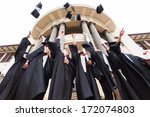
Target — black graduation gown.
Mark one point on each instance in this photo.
(141, 63)
(21, 48)
(69, 75)
(132, 73)
(92, 82)
(104, 75)
(32, 85)
(15, 72)
(85, 83)
(125, 90)
(62, 77)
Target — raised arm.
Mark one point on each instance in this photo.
(29, 35)
(22, 47)
(120, 35)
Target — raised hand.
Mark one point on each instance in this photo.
(120, 35)
(121, 32)
(29, 35)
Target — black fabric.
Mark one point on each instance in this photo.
(69, 75)
(105, 78)
(115, 47)
(88, 46)
(62, 77)
(11, 78)
(35, 13)
(106, 81)
(15, 72)
(48, 70)
(125, 90)
(85, 83)
(92, 82)
(22, 48)
(61, 80)
(96, 72)
(133, 74)
(33, 85)
(135, 78)
(141, 63)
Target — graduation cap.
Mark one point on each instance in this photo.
(39, 5)
(99, 9)
(78, 17)
(66, 5)
(114, 46)
(69, 15)
(89, 47)
(35, 13)
(112, 43)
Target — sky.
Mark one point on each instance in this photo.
(16, 19)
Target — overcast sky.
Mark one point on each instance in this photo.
(16, 20)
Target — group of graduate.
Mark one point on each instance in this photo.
(121, 76)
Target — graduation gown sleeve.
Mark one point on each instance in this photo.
(32, 85)
(21, 48)
(132, 73)
(83, 88)
(11, 78)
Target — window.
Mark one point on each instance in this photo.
(143, 45)
(1, 55)
(7, 57)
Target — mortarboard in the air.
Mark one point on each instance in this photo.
(66, 5)
(39, 5)
(69, 15)
(88, 46)
(99, 9)
(78, 17)
(35, 13)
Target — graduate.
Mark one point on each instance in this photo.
(125, 90)
(17, 69)
(22, 47)
(101, 70)
(143, 64)
(35, 79)
(85, 82)
(139, 87)
(63, 74)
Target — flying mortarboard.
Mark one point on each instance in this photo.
(35, 13)
(89, 47)
(39, 5)
(78, 17)
(66, 5)
(69, 15)
(99, 9)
